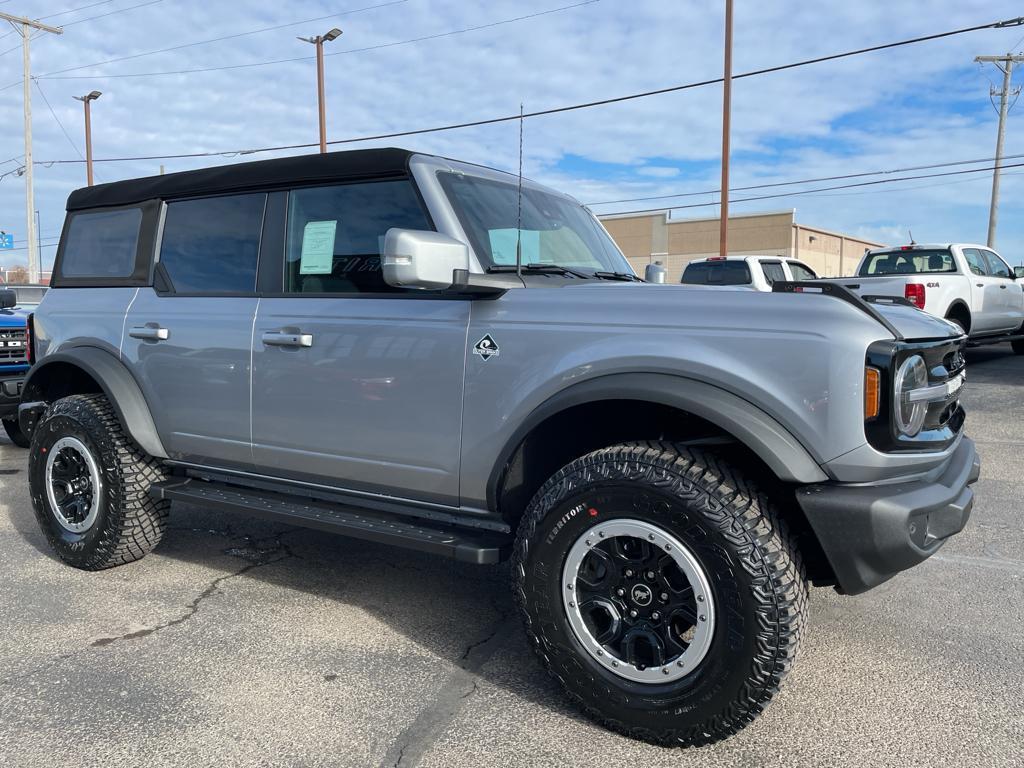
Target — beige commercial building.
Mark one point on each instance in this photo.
(650, 237)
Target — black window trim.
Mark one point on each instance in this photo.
(145, 249)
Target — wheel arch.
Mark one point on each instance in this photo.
(960, 310)
(84, 370)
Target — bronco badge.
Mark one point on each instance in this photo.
(486, 348)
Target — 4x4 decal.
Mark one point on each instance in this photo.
(486, 348)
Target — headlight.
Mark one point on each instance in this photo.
(910, 413)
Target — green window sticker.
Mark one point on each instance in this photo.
(503, 246)
(318, 248)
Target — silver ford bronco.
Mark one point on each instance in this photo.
(439, 356)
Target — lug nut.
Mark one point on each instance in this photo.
(700, 598)
(668, 547)
(620, 591)
(632, 614)
(664, 597)
(572, 604)
(568, 586)
(650, 575)
(629, 573)
(679, 663)
(655, 615)
(664, 671)
(615, 663)
(703, 617)
(650, 536)
(590, 543)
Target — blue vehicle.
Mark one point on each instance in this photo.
(14, 363)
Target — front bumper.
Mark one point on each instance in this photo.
(871, 533)
(10, 396)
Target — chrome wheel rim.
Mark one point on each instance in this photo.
(73, 485)
(639, 601)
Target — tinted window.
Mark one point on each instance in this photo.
(717, 273)
(336, 235)
(102, 244)
(212, 245)
(996, 266)
(801, 272)
(975, 261)
(908, 262)
(772, 271)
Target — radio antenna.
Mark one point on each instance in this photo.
(519, 202)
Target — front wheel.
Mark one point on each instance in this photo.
(662, 591)
(13, 430)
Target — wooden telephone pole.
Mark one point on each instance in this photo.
(723, 238)
(1005, 63)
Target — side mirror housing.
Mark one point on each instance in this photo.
(8, 298)
(423, 260)
(1018, 272)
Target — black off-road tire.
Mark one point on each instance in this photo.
(756, 578)
(13, 430)
(129, 523)
(1018, 346)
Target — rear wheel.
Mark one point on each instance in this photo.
(1018, 346)
(90, 486)
(660, 589)
(13, 430)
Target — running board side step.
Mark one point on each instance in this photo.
(469, 546)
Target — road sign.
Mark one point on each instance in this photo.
(6, 241)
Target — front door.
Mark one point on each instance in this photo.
(357, 385)
(986, 302)
(1009, 292)
(188, 339)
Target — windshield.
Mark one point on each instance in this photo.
(908, 262)
(717, 273)
(554, 230)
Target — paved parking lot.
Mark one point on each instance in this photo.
(241, 643)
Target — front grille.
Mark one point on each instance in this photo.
(13, 346)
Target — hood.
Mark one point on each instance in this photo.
(12, 318)
(917, 325)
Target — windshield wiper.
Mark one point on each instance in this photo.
(553, 269)
(625, 276)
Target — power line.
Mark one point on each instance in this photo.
(572, 107)
(812, 191)
(74, 10)
(56, 75)
(861, 174)
(49, 75)
(111, 13)
(57, 119)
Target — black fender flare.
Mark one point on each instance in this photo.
(117, 383)
(784, 454)
(960, 304)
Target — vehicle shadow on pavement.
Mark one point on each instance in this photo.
(457, 613)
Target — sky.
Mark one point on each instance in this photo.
(912, 106)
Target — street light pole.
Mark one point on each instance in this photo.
(319, 41)
(723, 236)
(24, 28)
(89, 97)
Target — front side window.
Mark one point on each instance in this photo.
(717, 273)
(101, 244)
(996, 266)
(801, 272)
(336, 235)
(545, 228)
(212, 245)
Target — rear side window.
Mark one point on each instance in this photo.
(773, 271)
(336, 234)
(101, 245)
(717, 273)
(212, 245)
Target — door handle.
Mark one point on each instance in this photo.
(980, 285)
(280, 339)
(1002, 287)
(150, 333)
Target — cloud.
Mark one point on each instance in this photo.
(913, 106)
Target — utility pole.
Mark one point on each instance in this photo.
(723, 240)
(319, 41)
(24, 28)
(1005, 64)
(88, 132)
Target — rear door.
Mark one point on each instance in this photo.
(986, 301)
(357, 385)
(773, 271)
(188, 338)
(1009, 292)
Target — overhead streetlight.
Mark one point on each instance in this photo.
(89, 97)
(319, 41)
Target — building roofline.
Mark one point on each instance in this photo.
(666, 215)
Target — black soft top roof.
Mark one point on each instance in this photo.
(261, 174)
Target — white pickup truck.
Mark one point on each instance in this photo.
(969, 285)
